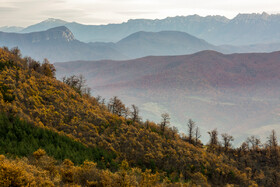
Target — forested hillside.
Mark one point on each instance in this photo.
(128, 152)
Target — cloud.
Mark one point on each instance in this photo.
(65, 13)
(26, 12)
(7, 9)
(137, 13)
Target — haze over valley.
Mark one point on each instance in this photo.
(236, 93)
(139, 93)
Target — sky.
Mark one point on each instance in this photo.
(95, 12)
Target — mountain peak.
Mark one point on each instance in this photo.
(254, 16)
(59, 28)
(44, 25)
(53, 20)
(61, 32)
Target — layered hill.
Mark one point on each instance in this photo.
(228, 92)
(244, 29)
(57, 44)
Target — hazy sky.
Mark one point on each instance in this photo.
(27, 12)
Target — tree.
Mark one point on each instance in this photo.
(32, 64)
(174, 131)
(191, 126)
(135, 114)
(197, 135)
(115, 106)
(165, 121)
(48, 69)
(147, 123)
(244, 147)
(126, 112)
(273, 146)
(78, 83)
(16, 51)
(254, 141)
(227, 139)
(213, 137)
(272, 140)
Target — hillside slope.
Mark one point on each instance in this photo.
(29, 91)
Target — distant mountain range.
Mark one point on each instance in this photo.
(244, 29)
(11, 29)
(59, 44)
(234, 93)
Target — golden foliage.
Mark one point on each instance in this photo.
(46, 102)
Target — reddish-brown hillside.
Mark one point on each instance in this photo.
(210, 67)
(232, 92)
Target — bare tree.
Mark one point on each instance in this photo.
(244, 146)
(126, 112)
(135, 113)
(227, 139)
(272, 140)
(174, 131)
(191, 126)
(213, 137)
(115, 106)
(98, 98)
(197, 135)
(254, 141)
(165, 121)
(78, 83)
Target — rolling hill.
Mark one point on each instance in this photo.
(237, 92)
(142, 44)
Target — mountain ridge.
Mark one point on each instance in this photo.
(60, 44)
(139, 44)
(218, 30)
(56, 44)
